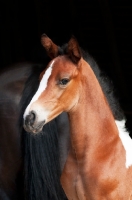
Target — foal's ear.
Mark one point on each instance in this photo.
(50, 47)
(73, 50)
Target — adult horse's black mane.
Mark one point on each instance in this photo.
(105, 83)
(41, 176)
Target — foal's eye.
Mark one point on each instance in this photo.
(63, 81)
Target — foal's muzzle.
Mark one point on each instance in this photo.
(31, 124)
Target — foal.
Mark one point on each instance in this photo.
(99, 163)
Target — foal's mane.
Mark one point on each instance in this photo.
(105, 83)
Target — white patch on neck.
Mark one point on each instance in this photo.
(126, 141)
(41, 88)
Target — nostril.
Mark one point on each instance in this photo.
(32, 115)
(30, 119)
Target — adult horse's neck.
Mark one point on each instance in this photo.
(91, 121)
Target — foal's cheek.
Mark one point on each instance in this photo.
(71, 104)
(71, 98)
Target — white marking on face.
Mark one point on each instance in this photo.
(126, 141)
(41, 88)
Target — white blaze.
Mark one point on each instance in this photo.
(126, 141)
(41, 88)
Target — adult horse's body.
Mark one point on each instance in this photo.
(29, 166)
(99, 163)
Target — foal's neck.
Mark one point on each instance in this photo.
(91, 120)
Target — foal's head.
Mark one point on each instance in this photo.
(59, 85)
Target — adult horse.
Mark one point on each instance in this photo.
(29, 165)
(99, 163)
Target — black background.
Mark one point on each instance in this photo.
(102, 27)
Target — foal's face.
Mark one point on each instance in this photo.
(58, 91)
